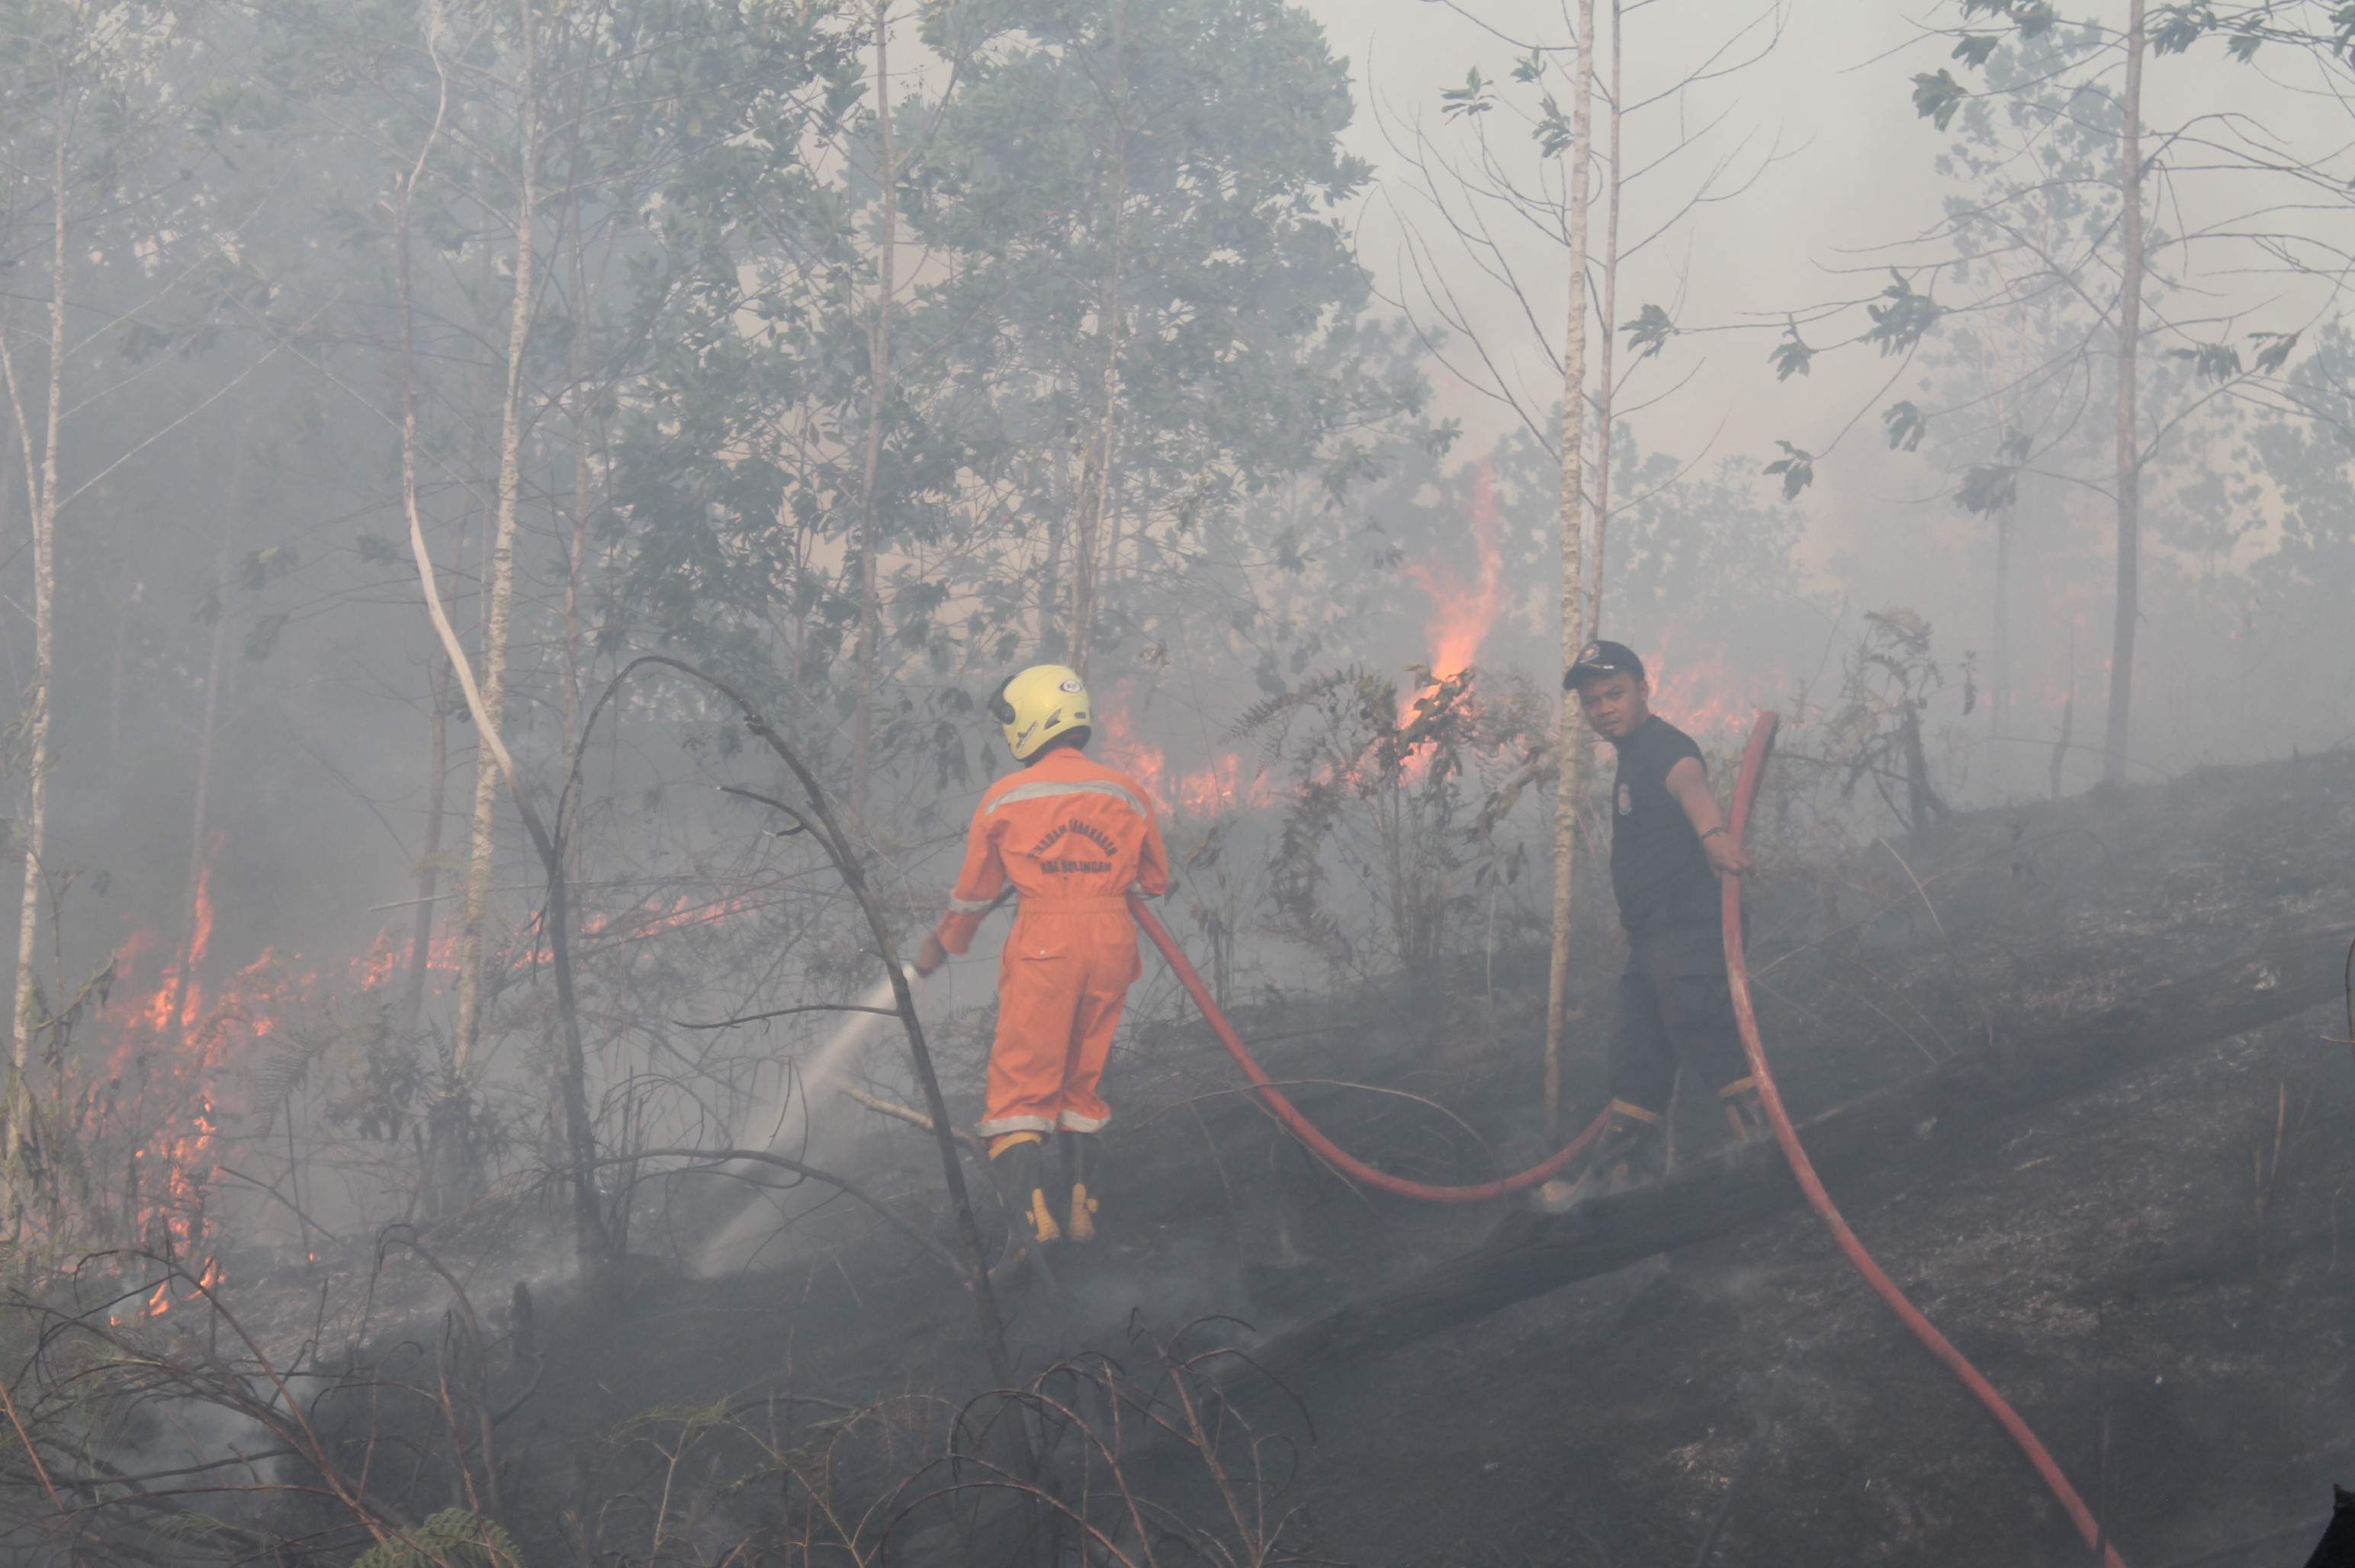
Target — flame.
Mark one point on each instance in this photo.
(1707, 695)
(160, 1302)
(1202, 793)
(157, 1089)
(1463, 613)
(643, 922)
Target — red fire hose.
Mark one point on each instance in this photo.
(1737, 969)
(1333, 1153)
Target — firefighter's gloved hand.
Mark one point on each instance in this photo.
(931, 955)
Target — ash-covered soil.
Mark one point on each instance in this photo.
(2154, 1273)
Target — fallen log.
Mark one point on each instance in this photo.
(1929, 1120)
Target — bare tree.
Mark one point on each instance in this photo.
(1488, 209)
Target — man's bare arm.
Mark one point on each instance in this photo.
(1688, 781)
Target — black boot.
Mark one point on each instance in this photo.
(1015, 1160)
(1079, 1151)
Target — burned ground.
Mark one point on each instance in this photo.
(2150, 1266)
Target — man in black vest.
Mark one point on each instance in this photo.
(1668, 847)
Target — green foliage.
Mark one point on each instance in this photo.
(1797, 467)
(2173, 29)
(1988, 487)
(2215, 363)
(454, 1538)
(1649, 331)
(1555, 132)
(1991, 486)
(1378, 799)
(1899, 324)
(261, 637)
(1937, 95)
(1792, 356)
(1904, 424)
(1872, 734)
(2032, 20)
(1473, 98)
(2276, 352)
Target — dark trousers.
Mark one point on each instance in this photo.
(1665, 1021)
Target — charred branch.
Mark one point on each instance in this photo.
(1903, 1132)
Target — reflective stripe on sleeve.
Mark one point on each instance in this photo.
(1045, 789)
(970, 906)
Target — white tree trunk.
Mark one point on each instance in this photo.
(1571, 742)
(45, 598)
(499, 613)
(2129, 453)
(878, 373)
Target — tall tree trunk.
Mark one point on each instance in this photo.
(499, 613)
(1606, 389)
(1571, 745)
(429, 863)
(575, 557)
(878, 379)
(1095, 478)
(2129, 452)
(1999, 658)
(1058, 521)
(45, 599)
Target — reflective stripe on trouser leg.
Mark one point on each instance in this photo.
(1062, 984)
(1037, 1006)
(1095, 1021)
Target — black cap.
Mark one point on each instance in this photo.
(1602, 658)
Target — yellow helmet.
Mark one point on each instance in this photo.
(1041, 704)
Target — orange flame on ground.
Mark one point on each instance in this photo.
(1196, 794)
(160, 1302)
(1707, 695)
(169, 1047)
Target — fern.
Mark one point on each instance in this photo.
(451, 1538)
(1261, 714)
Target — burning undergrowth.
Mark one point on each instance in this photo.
(307, 1394)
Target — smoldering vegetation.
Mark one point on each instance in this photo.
(513, 511)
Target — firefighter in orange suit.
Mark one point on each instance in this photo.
(1073, 837)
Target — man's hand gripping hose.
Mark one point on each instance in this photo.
(1754, 762)
(1330, 1152)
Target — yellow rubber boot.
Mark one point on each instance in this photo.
(1015, 1160)
(1745, 1113)
(1634, 1148)
(1080, 1150)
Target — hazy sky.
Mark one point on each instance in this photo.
(1854, 172)
(1839, 117)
